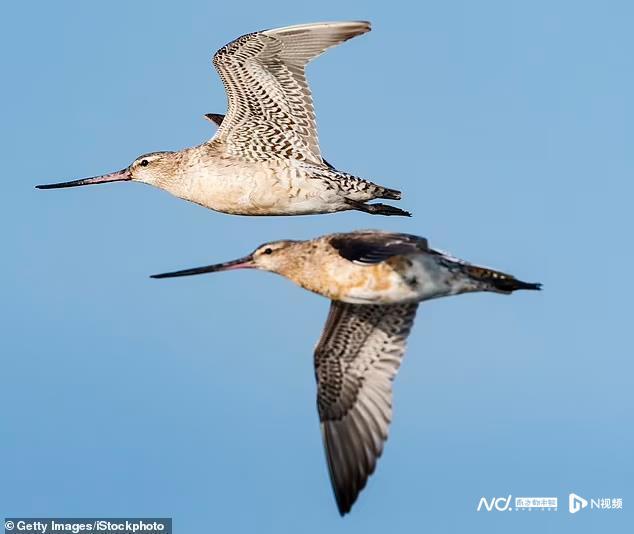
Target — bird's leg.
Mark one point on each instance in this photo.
(377, 209)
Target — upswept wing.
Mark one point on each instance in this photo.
(271, 113)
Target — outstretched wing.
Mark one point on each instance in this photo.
(369, 247)
(271, 113)
(355, 361)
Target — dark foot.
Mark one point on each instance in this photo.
(378, 209)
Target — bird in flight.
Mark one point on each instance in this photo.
(265, 157)
(375, 281)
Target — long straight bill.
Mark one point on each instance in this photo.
(118, 176)
(242, 263)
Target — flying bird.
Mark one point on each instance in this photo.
(265, 157)
(375, 281)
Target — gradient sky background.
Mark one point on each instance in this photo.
(508, 125)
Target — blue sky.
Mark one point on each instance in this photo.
(509, 127)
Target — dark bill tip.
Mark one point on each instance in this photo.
(186, 272)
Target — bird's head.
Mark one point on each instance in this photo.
(149, 168)
(272, 257)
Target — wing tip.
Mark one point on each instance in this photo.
(344, 493)
(353, 27)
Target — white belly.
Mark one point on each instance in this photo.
(258, 189)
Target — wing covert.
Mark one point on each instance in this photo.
(370, 247)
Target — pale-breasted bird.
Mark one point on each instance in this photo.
(375, 281)
(265, 157)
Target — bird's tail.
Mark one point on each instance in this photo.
(497, 281)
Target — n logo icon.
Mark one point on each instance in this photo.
(576, 503)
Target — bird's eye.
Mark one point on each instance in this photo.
(144, 163)
(268, 251)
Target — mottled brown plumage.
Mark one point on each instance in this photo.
(375, 281)
(265, 157)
